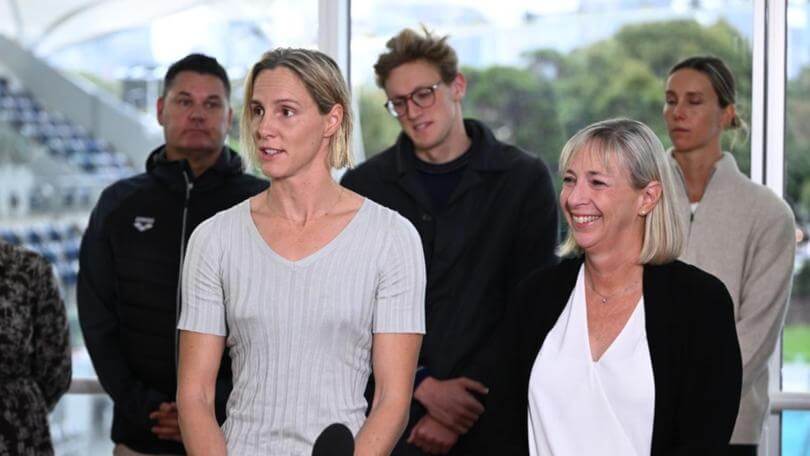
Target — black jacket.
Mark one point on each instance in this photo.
(498, 225)
(694, 351)
(128, 291)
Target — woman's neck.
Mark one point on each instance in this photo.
(304, 198)
(611, 272)
(697, 167)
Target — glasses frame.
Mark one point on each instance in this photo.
(389, 104)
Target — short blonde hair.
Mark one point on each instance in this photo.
(324, 83)
(641, 154)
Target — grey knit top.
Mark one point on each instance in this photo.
(300, 332)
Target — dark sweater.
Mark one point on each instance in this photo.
(498, 224)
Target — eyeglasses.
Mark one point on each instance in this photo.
(424, 97)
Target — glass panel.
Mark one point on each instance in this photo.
(539, 71)
(796, 433)
(796, 341)
(131, 60)
(52, 168)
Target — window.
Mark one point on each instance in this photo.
(796, 337)
(82, 116)
(539, 71)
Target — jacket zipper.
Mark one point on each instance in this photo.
(178, 298)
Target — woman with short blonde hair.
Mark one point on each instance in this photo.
(311, 286)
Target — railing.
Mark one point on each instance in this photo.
(789, 401)
(779, 401)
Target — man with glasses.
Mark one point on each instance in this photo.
(487, 215)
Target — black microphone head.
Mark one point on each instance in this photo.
(335, 440)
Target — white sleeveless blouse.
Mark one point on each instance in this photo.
(581, 407)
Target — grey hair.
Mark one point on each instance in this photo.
(642, 155)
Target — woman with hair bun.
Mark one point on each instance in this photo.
(734, 229)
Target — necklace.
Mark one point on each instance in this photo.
(328, 211)
(606, 298)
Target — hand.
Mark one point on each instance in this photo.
(451, 402)
(432, 436)
(167, 426)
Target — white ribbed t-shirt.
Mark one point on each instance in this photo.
(300, 332)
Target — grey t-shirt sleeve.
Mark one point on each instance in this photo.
(203, 308)
(400, 296)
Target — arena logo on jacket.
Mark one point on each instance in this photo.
(144, 223)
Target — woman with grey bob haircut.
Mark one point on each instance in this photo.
(641, 153)
(644, 342)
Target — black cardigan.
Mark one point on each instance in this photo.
(695, 356)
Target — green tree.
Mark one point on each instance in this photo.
(519, 106)
(379, 128)
(543, 103)
(797, 145)
(624, 75)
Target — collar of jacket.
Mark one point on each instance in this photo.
(725, 170)
(171, 173)
(483, 150)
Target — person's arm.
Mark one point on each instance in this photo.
(432, 437)
(96, 299)
(394, 359)
(200, 355)
(709, 397)
(537, 237)
(765, 291)
(52, 364)
(534, 247)
(398, 326)
(452, 402)
(202, 342)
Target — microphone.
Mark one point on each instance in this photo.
(335, 440)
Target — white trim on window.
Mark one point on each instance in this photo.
(333, 32)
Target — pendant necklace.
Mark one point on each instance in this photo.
(606, 298)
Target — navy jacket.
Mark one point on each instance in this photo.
(696, 363)
(499, 224)
(128, 290)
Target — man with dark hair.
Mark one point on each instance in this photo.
(487, 215)
(132, 252)
(198, 63)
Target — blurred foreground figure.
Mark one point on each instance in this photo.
(35, 365)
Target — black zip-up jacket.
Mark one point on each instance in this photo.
(128, 291)
(499, 224)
